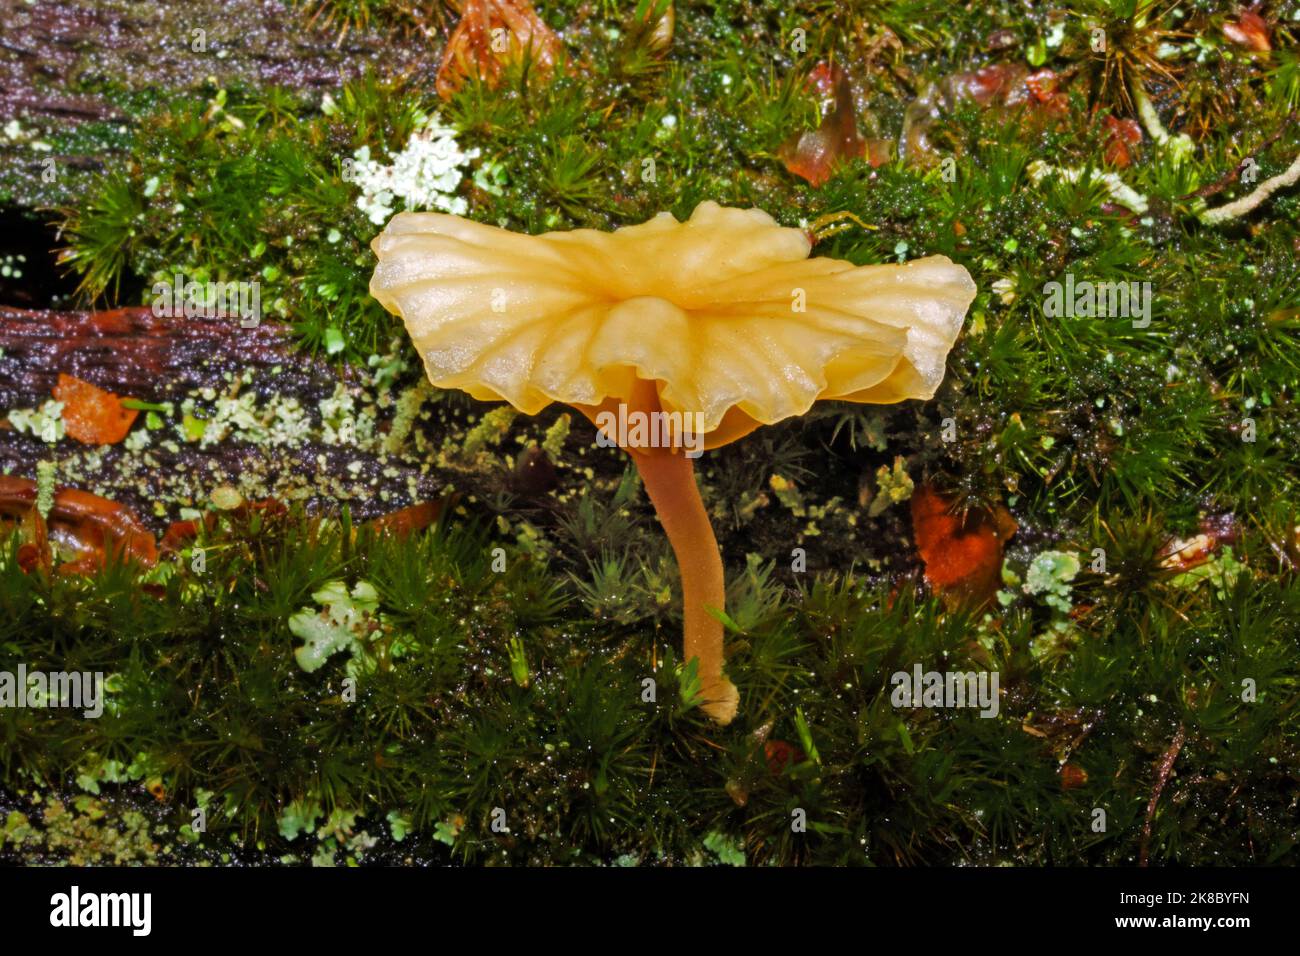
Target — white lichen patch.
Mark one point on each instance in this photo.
(45, 423)
(423, 176)
(1120, 192)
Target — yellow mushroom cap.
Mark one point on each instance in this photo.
(725, 314)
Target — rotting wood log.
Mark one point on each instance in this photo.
(132, 352)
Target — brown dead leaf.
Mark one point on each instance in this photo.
(408, 520)
(1073, 776)
(780, 754)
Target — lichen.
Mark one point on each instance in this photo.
(423, 176)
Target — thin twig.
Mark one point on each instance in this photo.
(1250, 202)
(1214, 188)
(1163, 770)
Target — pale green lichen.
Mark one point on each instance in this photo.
(1049, 577)
(1221, 571)
(279, 422)
(45, 423)
(556, 436)
(728, 850)
(893, 486)
(492, 427)
(338, 417)
(424, 175)
(226, 498)
(88, 832)
(788, 494)
(299, 816)
(407, 408)
(337, 833)
(46, 472)
(344, 621)
(138, 440)
(1120, 192)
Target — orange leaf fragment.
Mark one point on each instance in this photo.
(82, 527)
(1043, 85)
(91, 415)
(1122, 133)
(99, 526)
(962, 553)
(780, 754)
(408, 520)
(1073, 776)
(1249, 30)
(178, 534)
(813, 154)
(490, 34)
(1180, 555)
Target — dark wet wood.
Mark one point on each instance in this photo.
(132, 352)
(53, 49)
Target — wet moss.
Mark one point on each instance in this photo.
(1095, 433)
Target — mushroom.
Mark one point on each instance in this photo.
(703, 330)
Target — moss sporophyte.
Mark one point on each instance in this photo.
(671, 337)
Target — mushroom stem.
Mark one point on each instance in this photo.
(669, 479)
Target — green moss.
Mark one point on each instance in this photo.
(557, 728)
(233, 188)
(524, 690)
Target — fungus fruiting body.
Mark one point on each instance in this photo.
(697, 332)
